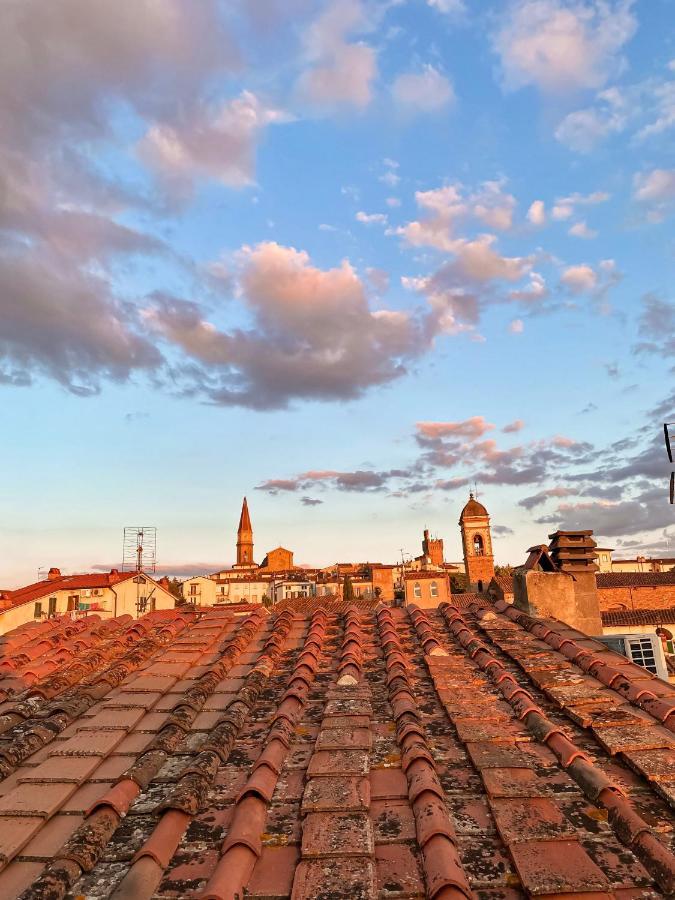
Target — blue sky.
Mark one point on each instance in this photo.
(345, 257)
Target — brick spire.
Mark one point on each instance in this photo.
(245, 538)
(244, 519)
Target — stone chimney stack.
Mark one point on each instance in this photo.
(560, 582)
(574, 553)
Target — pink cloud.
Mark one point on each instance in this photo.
(472, 428)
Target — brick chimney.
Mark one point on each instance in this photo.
(560, 582)
(53, 574)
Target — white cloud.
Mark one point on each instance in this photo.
(647, 106)
(442, 207)
(218, 144)
(517, 326)
(390, 176)
(584, 279)
(663, 97)
(655, 190)
(340, 73)
(584, 129)
(445, 207)
(562, 211)
(580, 279)
(581, 230)
(449, 7)
(478, 261)
(313, 334)
(561, 46)
(565, 207)
(426, 91)
(492, 206)
(393, 201)
(534, 292)
(370, 218)
(536, 214)
(654, 186)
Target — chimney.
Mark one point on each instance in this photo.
(53, 573)
(560, 581)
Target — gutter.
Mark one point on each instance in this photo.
(115, 603)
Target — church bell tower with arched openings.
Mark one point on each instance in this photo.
(477, 545)
(245, 539)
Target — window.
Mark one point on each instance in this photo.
(38, 610)
(193, 589)
(478, 547)
(642, 652)
(433, 589)
(642, 649)
(222, 589)
(72, 605)
(52, 606)
(417, 590)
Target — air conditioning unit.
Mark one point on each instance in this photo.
(645, 650)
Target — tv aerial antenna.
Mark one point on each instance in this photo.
(139, 555)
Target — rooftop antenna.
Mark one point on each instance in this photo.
(139, 549)
(669, 450)
(139, 555)
(475, 489)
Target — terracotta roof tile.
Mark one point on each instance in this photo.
(634, 579)
(359, 752)
(627, 617)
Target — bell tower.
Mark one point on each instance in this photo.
(245, 538)
(474, 523)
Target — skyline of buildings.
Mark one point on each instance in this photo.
(233, 261)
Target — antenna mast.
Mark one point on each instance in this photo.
(139, 555)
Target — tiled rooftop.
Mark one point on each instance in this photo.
(619, 617)
(47, 586)
(351, 753)
(505, 582)
(635, 579)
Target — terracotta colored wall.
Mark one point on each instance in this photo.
(433, 548)
(384, 579)
(659, 597)
(426, 601)
(480, 568)
(279, 560)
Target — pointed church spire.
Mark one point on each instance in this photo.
(244, 519)
(245, 538)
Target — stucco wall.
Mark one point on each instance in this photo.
(572, 600)
(426, 600)
(384, 579)
(126, 592)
